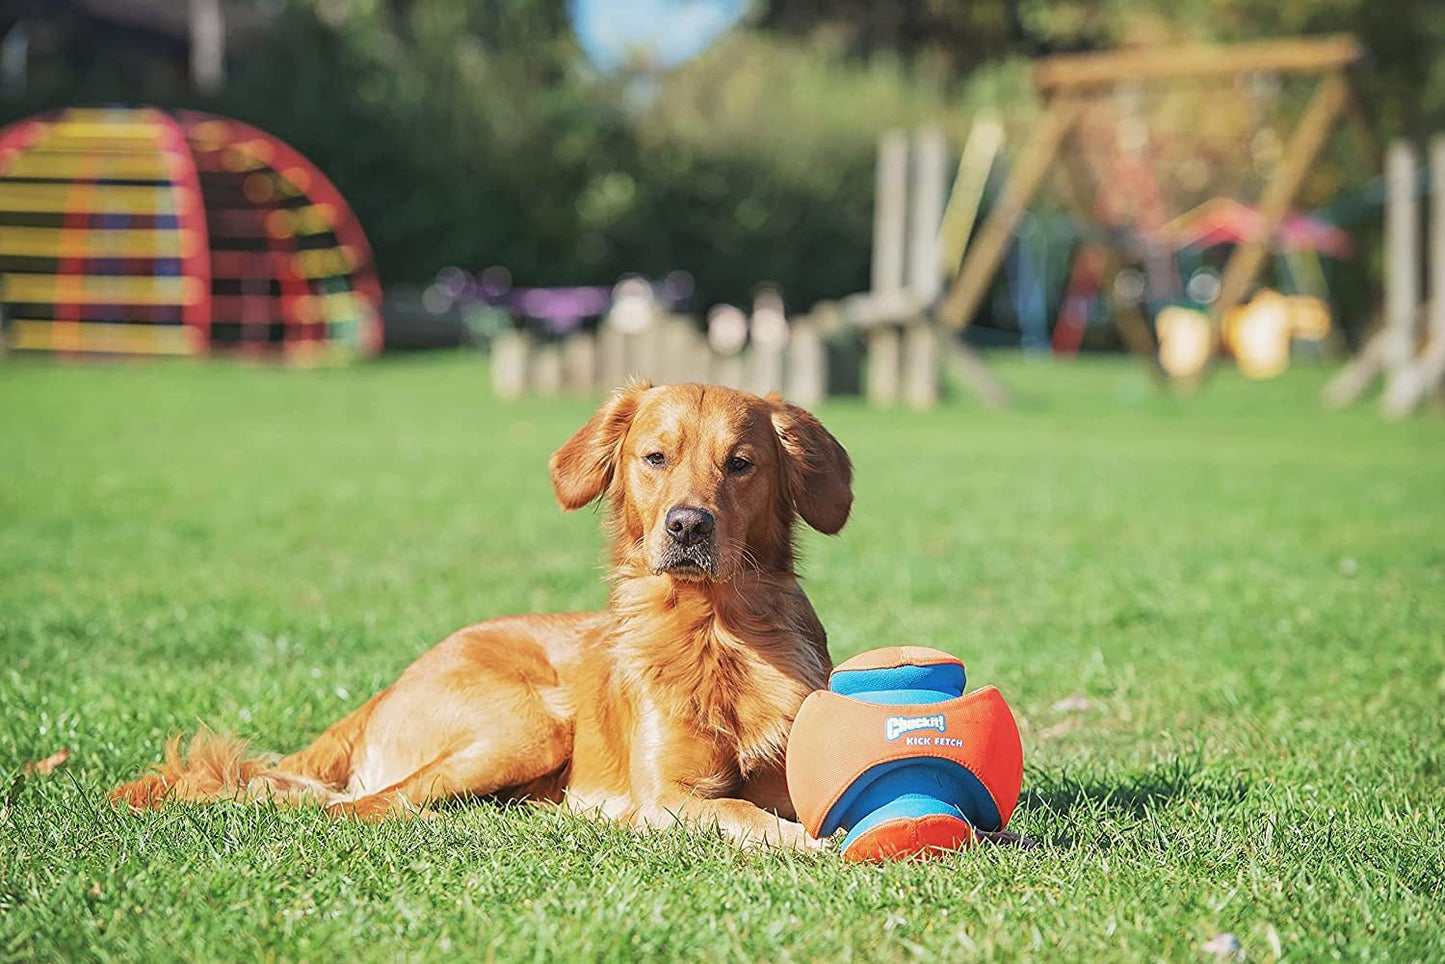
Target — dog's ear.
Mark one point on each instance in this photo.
(582, 469)
(817, 475)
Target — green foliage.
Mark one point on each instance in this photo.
(1247, 595)
(471, 132)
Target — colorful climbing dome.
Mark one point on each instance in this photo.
(138, 231)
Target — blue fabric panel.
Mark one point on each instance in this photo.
(922, 684)
(941, 780)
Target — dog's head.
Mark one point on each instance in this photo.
(704, 482)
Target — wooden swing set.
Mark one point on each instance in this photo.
(1069, 84)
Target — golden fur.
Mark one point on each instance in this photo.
(673, 704)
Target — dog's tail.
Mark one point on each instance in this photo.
(215, 766)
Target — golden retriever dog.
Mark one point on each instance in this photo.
(673, 705)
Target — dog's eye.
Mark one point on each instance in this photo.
(738, 464)
(655, 458)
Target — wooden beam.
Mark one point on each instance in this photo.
(967, 366)
(1291, 55)
(1409, 385)
(930, 194)
(1402, 254)
(986, 253)
(1308, 137)
(1359, 374)
(890, 214)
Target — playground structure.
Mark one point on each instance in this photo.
(1408, 348)
(1072, 86)
(142, 232)
(915, 223)
(139, 231)
(925, 240)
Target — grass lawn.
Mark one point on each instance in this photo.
(1221, 623)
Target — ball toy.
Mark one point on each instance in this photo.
(897, 755)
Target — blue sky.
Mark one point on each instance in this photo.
(669, 31)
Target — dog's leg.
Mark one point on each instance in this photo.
(477, 771)
(740, 821)
(677, 776)
(328, 759)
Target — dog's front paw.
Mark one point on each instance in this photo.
(786, 834)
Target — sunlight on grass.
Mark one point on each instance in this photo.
(1219, 621)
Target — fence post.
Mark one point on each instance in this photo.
(1391, 347)
(770, 342)
(546, 375)
(611, 357)
(890, 245)
(682, 356)
(883, 365)
(727, 333)
(807, 370)
(579, 363)
(509, 363)
(1402, 247)
(920, 364)
(1409, 385)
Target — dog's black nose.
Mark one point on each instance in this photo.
(689, 525)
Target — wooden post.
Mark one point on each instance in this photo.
(546, 375)
(985, 141)
(1437, 238)
(683, 356)
(920, 346)
(579, 363)
(634, 314)
(965, 364)
(1402, 252)
(727, 333)
(640, 351)
(807, 369)
(930, 185)
(883, 365)
(890, 213)
(1356, 378)
(510, 351)
(988, 249)
(1308, 137)
(726, 370)
(611, 357)
(1411, 383)
(770, 343)
(890, 241)
(920, 365)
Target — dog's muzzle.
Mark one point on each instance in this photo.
(690, 545)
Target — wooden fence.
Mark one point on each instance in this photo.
(765, 353)
(1407, 348)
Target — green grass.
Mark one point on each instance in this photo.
(1249, 593)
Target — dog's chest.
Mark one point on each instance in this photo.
(754, 699)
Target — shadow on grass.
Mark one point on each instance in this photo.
(1100, 799)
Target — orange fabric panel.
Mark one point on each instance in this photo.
(887, 657)
(835, 739)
